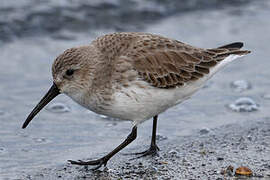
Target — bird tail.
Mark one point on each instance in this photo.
(226, 54)
(234, 48)
(230, 49)
(235, 45)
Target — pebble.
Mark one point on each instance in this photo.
(174, 152)
(240, 85)
(153, 169)
(244, 171)
(249, 137)
(244, 104)
(161, 137)
(220, 158)
(228, 171)
(58, 108)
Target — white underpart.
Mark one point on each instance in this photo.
(144, 103)
(139, 104)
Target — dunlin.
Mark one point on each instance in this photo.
(133, 76)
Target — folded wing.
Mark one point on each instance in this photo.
(169, 63)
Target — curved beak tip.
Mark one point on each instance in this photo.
(24, 126)
(50, 95)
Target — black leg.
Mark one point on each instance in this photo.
(154, 131)
(153, 146)
(103, 161)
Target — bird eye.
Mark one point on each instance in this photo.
(69, 72)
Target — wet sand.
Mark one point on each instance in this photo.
(202, 155)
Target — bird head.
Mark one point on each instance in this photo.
(71, 73)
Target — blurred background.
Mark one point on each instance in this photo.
(34, 32)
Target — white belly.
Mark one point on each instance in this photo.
(139, 104)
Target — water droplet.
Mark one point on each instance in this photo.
(58, 108)
(108, 118)
(240, 85)
(22, 134)
(39, 140)
(204, 131)
(244, 104)
(103, 116)
(2, 150)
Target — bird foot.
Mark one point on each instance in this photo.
(98, 163)
(153, 151)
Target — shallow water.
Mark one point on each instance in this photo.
(27, 18)
(54, 137)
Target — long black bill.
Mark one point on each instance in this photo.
(52, 93)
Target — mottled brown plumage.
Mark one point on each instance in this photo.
(162, 62)
(134, 76)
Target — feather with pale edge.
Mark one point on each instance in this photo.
(170, 63)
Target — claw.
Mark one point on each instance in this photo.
(98, 162)
(153, 150)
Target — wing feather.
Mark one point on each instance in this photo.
(167, 63)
